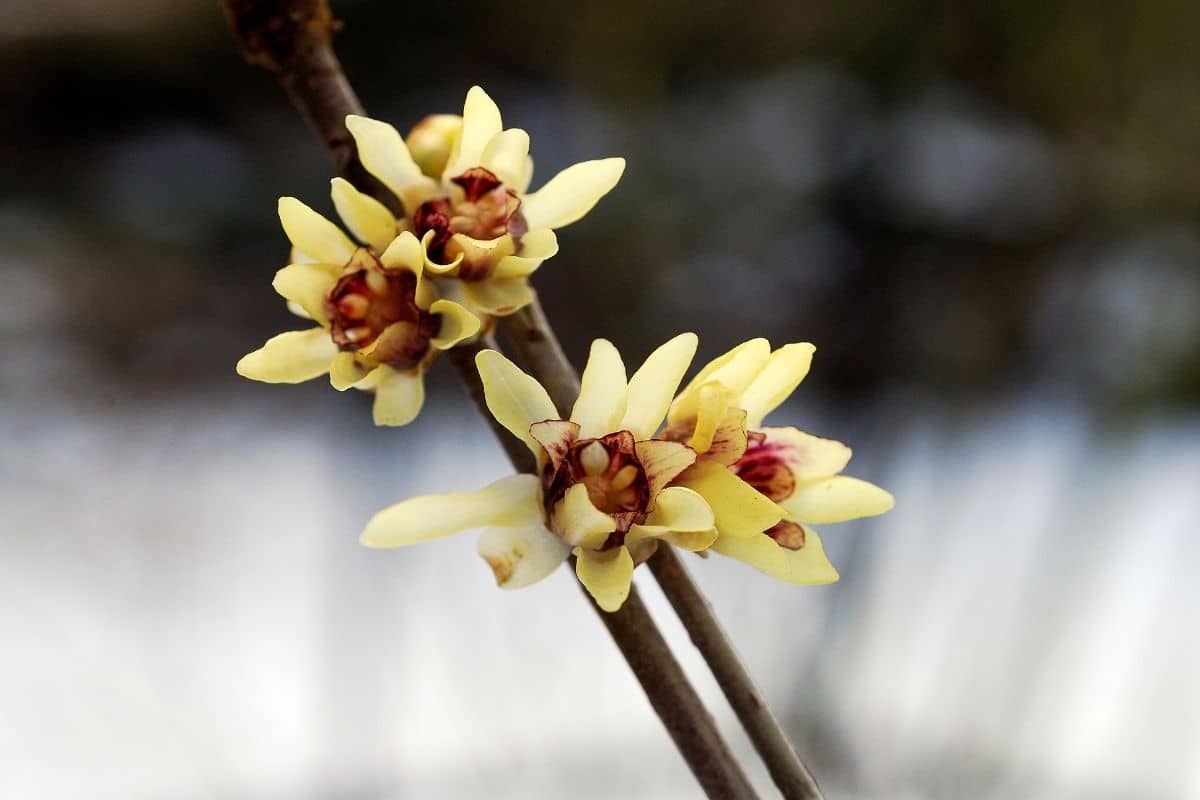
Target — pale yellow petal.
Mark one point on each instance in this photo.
(601, 402)
(515, 399)
(837, 500)
(498, 297)
(306, 285)
(780, 376)
(458, 324)
(506, 154)
(680, 509)
(384, 154)
(314, 235)
(432, 140)
(653, 385)
(663, 461)
(808, 566)
(607, 576)
(366, 217)
(734, 370)
(404, 252)
(808, 457)
(291, 357)
(511, 501)
(740, 511)
(521, 556)
(399, 395)
(536, 247)
(691, 541)
(434, 266)
(481, 122)
(713, 404)
(572, 193)
(345, 371)
(578, 522)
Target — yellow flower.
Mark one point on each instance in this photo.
(379, 321)
(601, 490)
(462, 183)
(766, 486)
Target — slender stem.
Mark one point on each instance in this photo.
(292, 38)
(794, 780)
(532, 339)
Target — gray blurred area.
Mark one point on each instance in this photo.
(986, 216)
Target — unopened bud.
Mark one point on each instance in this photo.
(431, 141)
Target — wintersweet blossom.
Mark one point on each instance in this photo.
(380, 321)
(766, 485)
(462, 183)
(602, 487)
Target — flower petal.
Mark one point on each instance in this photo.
(306, 285)
(663, 462)
(740, 511)
(313, 235)
(734, 370)
(579, 522)
(607, 576)
(506, 154)
(291, 357)
(511, 501)
(837, 499)
(712, 405)
(399, 395)
(382, 151)
(601, 402)
(808, 566)
(345, 371)
(515, 399)
(481, 122)
(521, 556)
(808, 457)
(729, 440)
(367, 218)
(458, 324)
(653, 385)
(556, 437)
(677, 508)
(536, 247)
(572, 193)
(404, 252)
(780, 376)
(691, 541)
(498, 297)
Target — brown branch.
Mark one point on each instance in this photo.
(292, 39)
(788, 772)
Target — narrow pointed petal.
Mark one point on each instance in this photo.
(306, 285)
(404, 252)
(515, 399)
(366, 217)
(399, 395)
(506, 154)
(653, 385)
(458, 324)
(345, 372)
(572, 193)
(780, 376)
(740, 511)
(808, 566)
(579, 522)
(713, 403)
(607, 576)
(521, 556)
(292, 357)
(663, 462)
(481, 122)
(808, 457)
(312, 234)
(383, 153)
(511, 501)
(601, 402)
(837, 499)
(536, 247)
(498, 297)
(734, 370)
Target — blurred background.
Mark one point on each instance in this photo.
(985, 216)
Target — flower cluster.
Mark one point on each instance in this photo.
(611, 485)
(455, 249)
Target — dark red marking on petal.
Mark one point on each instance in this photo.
(434, 215)
(765, 469)
(476, 182)
(787, 534)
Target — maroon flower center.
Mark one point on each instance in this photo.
(615, 480)
(487, 210)
(763, 467)
(373, 311)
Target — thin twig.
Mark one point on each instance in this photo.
(532, 340)
(292, 38)
(794, 780)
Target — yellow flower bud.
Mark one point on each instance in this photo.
(431, 141)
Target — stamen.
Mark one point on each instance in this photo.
(354, 306)
(358, 334)
(624, 477)
(594, 459)
(378, 282)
